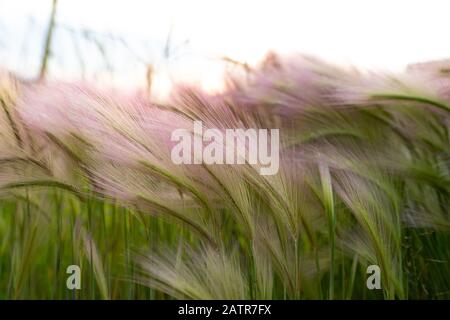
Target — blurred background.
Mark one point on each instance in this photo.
(152, 44)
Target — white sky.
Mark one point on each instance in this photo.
(382, 34)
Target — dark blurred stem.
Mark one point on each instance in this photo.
(48, 42)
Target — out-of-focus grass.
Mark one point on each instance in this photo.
(86, 178)
(39, 240)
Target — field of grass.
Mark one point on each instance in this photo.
(86, 179)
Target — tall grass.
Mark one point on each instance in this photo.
(86, 178)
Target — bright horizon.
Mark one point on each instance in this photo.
(382, 35)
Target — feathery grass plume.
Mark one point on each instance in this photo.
(122, 145)
(21, 164)
(363, 179)
(203, 273)
(347, 119)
